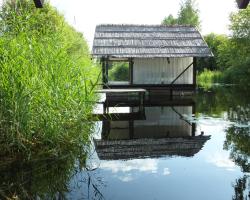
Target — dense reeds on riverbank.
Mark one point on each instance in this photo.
(47, 81)
(207, 78)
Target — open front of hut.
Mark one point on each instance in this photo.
(151, 56)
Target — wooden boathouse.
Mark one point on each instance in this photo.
(158, 56)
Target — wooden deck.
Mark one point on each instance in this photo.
(122, 90)
(141, 92)
(154, 87)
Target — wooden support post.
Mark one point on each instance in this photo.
(38, 3)
(142, 100)
(193, 124)
(194, 71)
(171, 93)
(131, 70)
(103, 72)
(105, 129)
(107, 69)
(131, 129)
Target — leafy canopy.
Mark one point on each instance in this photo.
(187, 15)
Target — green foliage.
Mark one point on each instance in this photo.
(187, 15)
(238, 64)
(46, 81)
(240, 24)
(169, 20)
(238, 141)
(231, 54)
(217, 44)
(119, 72)
(207, 78)
(221, 99)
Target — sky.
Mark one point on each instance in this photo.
(84, 15)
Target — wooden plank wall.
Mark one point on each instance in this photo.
(160, 122)
(162, 70)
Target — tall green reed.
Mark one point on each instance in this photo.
(207, 78)
(47, 81)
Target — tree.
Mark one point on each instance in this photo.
(187, 15)
(240, 23)
(238, 51)
(119, 72)
(215, 43)
(170, 20)
(231, 54)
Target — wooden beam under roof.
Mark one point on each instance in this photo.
(242, 4)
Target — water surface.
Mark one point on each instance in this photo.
(181, 148)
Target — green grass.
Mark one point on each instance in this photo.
(208, 78)
(47, 82)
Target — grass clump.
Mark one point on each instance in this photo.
(207, 78)
(47, 81)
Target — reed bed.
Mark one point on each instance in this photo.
(207, 78)
(46, 82)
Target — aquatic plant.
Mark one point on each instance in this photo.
(47, 81)
(207, 78)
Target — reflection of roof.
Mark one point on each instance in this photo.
(141, 148)
(148, 41)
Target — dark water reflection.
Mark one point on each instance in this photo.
(181, 148)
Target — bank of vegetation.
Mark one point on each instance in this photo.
(231, 53)
(46, 82)
(231, 61)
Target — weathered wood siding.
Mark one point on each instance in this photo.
(160, 122)
(164, 122)
(162, 70)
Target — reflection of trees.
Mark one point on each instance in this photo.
(218, 100)
(44, 179)
(234, 101)
(238, 142)
(48, 179)
(239, 187)
(93, 186)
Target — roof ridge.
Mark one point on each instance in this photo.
(147, 25)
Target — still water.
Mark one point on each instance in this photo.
(182, 148)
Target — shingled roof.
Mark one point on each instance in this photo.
(149, 147)
(149, 41)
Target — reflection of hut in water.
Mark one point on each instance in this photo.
(164, 132)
